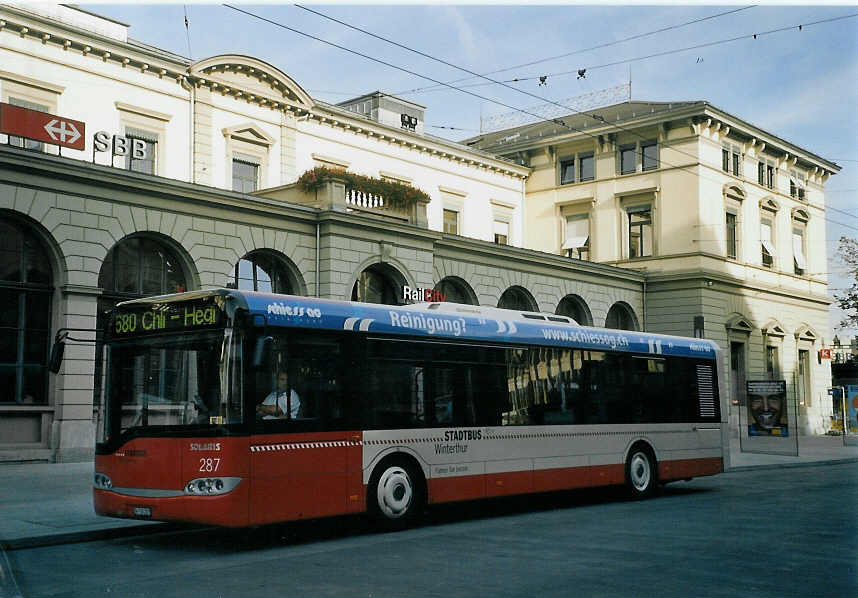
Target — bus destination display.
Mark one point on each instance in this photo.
(165, 317)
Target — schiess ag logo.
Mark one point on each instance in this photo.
(281, 309)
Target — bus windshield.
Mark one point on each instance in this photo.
(157, 383)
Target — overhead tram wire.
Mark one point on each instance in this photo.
(410, 72)
(498, 102)
(400, 68)
(598, 47)
(503, 84)
(641, 58)
(559, 119)
(188, 31)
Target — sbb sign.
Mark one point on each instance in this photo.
(119, 145)
(41, 126)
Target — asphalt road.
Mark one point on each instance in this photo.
(778, 532)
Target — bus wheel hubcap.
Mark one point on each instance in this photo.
(395, 492)
(640, 472)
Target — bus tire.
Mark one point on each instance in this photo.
(395, 493)
(641, 472)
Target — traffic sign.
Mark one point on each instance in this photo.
(41, 126)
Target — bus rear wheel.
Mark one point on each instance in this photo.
(395, 494)
(641, 472)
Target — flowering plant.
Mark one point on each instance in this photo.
(394, 194)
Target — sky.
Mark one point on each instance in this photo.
(799, 84)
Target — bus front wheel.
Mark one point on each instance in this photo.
(395, 494)
(641, 472)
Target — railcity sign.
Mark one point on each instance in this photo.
(419, 294)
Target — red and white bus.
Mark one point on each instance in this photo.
(397, 407)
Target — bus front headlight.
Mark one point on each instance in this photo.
(102, 482)
(211, 486)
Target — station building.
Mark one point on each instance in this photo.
(214, 201)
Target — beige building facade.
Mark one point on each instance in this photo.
(725, 220)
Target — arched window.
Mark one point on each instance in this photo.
(135, 267)
(140, 267)
(621, 317)
(456, 290)
(376, 284)
(517, 298)
(576, 308)
(263, 271)
(26, 285)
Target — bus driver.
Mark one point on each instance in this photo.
(276, 404)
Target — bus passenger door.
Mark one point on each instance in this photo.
(300, 460)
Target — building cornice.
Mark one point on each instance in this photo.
(74, 177)
(451, 246)
(774, 144)
(697, 116)
(91, 44)
(697, 278)
(436, 147)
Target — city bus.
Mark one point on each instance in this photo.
(238, 408)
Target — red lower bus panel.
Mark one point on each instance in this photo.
(502, 484)
(608, 475)
(561, 479)
(689, 468)
(229, 510)
(301, 476)
(145, 467)
(457, 488)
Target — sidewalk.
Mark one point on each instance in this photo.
(51, 503)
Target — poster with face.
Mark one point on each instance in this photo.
(767, 408)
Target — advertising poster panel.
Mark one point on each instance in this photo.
(767, 408)
(852, 408)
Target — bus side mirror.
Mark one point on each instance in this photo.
(262, 351)
(56, 360)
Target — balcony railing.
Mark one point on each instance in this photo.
(361, 201)
(345, 192)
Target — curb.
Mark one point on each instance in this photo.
(92, 535)
(791, 465)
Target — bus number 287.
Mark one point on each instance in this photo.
(209, 464)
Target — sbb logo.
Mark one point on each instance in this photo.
(119, 145)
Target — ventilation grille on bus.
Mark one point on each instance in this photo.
(706, 390)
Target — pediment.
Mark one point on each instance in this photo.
(806, 333)
(251, 78)
(773, 328)
(734, 191)
(249, 132)
(800, 214)
(739, 323)
(768, 203)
